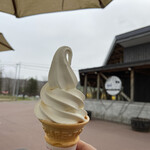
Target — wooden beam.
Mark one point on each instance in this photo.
(98, 85)
(103, 76)
(85, 86)
(125, 96)
(132, 85)
(90, 87)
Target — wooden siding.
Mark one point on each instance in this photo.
(117, 55)
(137, 53)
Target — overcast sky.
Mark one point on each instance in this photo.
(88, 32)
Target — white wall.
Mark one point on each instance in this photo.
(117, 111)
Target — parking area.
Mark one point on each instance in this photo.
(20, 130)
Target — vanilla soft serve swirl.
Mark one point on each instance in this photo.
(60, 101)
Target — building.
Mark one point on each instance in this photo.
(128, 59)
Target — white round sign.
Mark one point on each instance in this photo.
(113, 85)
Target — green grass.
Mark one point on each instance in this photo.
(23, 99)
(13, 98)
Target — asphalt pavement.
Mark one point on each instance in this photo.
(20, 130)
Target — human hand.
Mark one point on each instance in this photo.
(84, 146)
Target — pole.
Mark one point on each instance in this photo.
(18, 80)
(132, 85)
(85, 85)
(14, 88)
(98, 85)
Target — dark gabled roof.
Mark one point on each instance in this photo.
(134, 33)
(136, 37)
(117, 67)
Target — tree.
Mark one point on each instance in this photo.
(31, 87)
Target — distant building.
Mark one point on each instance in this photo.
(128, 59)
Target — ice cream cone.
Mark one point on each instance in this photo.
(61, 108)
(62, 135)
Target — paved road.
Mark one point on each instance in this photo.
(20, 130)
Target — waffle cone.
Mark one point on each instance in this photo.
(62, 135)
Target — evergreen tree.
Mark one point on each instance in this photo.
(32, 87)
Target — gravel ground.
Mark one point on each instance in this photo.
(20, 130)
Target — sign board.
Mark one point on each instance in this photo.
(113, 85)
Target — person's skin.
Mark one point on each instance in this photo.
(84, 146)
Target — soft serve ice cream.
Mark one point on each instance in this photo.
(60, 101)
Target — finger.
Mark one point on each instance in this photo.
(84, 146)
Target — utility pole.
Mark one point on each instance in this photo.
(14, 88)
(18, 79)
